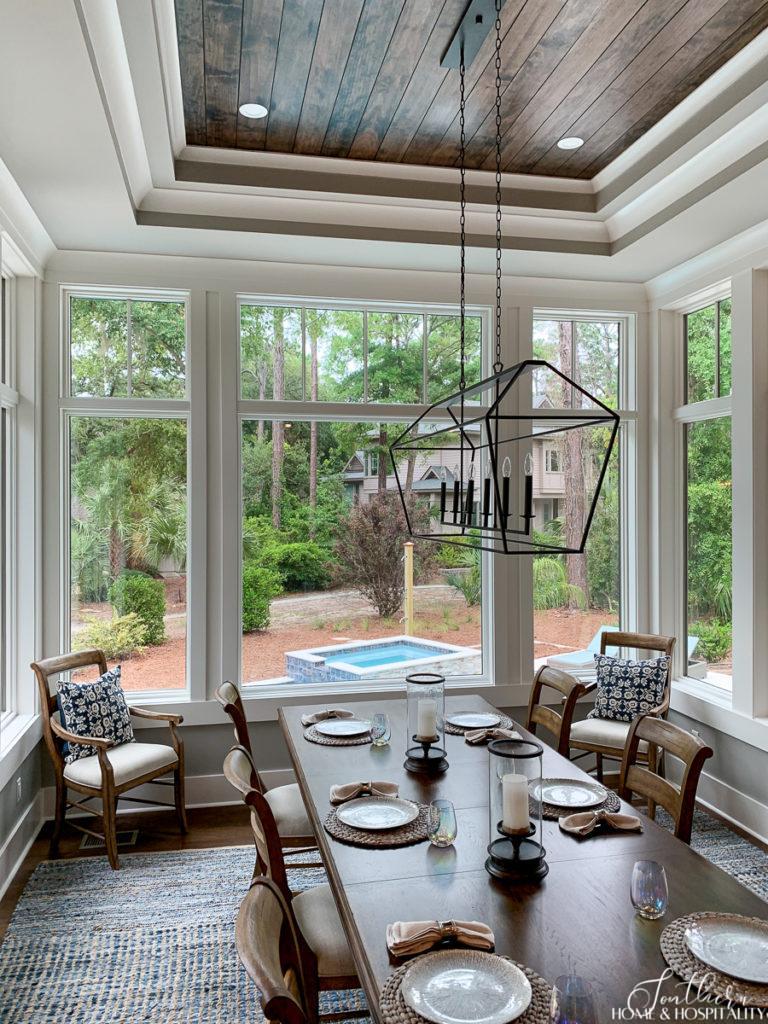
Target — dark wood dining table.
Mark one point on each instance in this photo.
(578, 920)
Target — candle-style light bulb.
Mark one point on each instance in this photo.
(506, 473)
(528, 464)
(455, 508)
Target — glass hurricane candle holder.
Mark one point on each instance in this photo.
(515, 849)
(425, 743)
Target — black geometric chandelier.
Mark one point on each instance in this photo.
(486, 432)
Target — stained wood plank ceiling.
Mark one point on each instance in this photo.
(361, 79)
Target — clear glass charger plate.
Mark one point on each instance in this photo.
(569, 793)
(343, 727)
(731, 944)
(473, 720)
(377, 813)
(464, 986)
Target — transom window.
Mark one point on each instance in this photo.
(708, 352)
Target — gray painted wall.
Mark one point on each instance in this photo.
(735, 763)
(11, 809)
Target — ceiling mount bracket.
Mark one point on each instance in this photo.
(476, 22)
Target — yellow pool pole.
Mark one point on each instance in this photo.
(408, 560)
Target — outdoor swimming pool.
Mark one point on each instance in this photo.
(375, 659)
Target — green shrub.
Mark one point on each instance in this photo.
(551, 588)
(714, 638)
(303, 566)
(118, 637)
(469, 583)
(454, 556)
(259, 587)
(136, 592)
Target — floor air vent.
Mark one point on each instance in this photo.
(123, 839)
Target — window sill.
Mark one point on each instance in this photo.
(263, 700)
(18, 738)
(712, 706)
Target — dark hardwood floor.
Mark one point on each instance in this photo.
(158, 830)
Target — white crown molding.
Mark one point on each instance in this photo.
(25, 241)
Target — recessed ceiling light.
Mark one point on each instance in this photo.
(572, 142)
(253, 110)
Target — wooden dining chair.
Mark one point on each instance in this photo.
(293, 822)
(557, 723)
(638, 778)
(606, 738)
(113, 769)
(288, 973)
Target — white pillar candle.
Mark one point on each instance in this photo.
(426, 727)
(514, 802)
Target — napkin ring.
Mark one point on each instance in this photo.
(448, 929)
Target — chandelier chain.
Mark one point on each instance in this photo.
(498, 365)
(462, 225)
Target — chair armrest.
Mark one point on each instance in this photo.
(588, 687)
(157, 716)
(71, 737)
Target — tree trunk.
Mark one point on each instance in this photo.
(313, 426)
(278, 430)
(410, 467)
(383, 458)
(262, 379)
(575, 511)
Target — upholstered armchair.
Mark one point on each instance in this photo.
(114, 769)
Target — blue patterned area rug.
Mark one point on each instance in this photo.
(153, 942)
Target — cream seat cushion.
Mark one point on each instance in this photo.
(129, 761)
(603, 732)
(289, 811)
(320, 925)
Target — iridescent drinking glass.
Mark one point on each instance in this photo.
(442, 823)
(649, 890)
(380, 729)
(572, 1001)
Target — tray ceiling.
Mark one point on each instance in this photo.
(361, 79)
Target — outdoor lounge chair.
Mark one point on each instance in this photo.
(576, 662)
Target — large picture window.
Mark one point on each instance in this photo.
(127, 496)
(575, 596)
(708, 494)
(324, 596)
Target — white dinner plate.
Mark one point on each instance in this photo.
(473, 720)
(343, 727)
(569, 793)
(376, 813)
(462, 986)
(733, 944)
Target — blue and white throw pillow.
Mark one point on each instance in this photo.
(627, 689)
(98, 709)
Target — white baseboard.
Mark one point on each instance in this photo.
(201, 791)
(738, 808)
(19, 842)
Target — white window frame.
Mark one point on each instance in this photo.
(190, 409)
(633, 584)
(9, 401)
(358, 412)
(684, 414)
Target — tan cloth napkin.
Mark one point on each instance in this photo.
(409, 937)
(483, 735)
(348, 791)
(586, 822)
(323, 716)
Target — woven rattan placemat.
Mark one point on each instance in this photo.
(393, 1009)
(406, 835)
(553, 811)
(709, 981)
(314, 736)
(459, 730)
